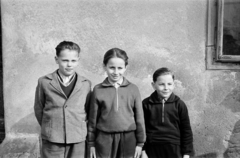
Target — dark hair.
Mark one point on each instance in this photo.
(115, 52)
(162, 71)
(67, 45)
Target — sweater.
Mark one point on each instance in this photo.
(69, 88)
(168, 122)
(115, 110)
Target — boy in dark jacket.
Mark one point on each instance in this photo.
(168, 128)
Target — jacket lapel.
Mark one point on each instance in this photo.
(56, 85)
(78, 85)
(55, 82)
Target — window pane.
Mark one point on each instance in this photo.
(231, 27)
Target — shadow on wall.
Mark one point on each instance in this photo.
(27, 124)
(208, 155)
(233, 150)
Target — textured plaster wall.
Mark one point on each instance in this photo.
(154, 33)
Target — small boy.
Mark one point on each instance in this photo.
(168, 128)
(61, 105)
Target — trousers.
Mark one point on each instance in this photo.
(115, 145)
(61, 150)
(154, 150)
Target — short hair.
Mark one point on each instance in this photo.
(67, 45)
(162, 71)
(115, 52)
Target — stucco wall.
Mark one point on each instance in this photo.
(154, 34)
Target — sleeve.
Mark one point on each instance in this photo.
(87, 103)
(139, 119)
(39, 102)
(185, 130)
(145, 119)
(92, 119)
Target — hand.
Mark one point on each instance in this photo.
(92, 152)
(138, 151)
(144, 155)
(186, 156)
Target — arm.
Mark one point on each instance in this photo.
(139, 118)
(144, 154)
(92, 120)
(87, 103)
(39, 102)
(185, 130)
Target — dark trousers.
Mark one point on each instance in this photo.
(59, 150)
(163, 151)
(115, 145)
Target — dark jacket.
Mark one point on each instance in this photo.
(116, 110)
(168, 122)
(62, 119)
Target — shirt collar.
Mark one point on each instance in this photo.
(65, 80)
(154, 98)
(106, 83)
(116, 84)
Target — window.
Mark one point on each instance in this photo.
(223, 41)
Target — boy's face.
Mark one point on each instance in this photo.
(67, 61)
(164, 85)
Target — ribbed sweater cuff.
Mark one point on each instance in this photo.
(91, 144)
(140, 144)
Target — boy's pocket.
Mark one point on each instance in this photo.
(46, 128)
(84, 129)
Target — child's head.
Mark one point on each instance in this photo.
(115, 53)
(163, 82)
(115, 63)
(67, 45)
(67, 57)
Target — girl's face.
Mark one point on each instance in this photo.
(115, 69)
(164, 85)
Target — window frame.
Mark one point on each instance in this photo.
(220, 56)
(215, 59)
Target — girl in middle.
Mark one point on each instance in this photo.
(116, 122)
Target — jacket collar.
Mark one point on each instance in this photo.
(154, 98)
(106, 83)
(56, 85)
